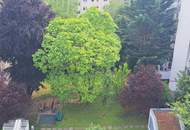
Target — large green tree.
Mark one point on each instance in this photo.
(22, 23)
(76, 52)
(147, 30)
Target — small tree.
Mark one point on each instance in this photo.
(182, 108)
(143, 89)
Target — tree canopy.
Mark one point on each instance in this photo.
(147, 30)
(143, 90)
(22, 23)
(76, 51)
(14, 101)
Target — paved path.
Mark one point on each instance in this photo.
(107, 127)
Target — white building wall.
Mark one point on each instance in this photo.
(182, 43)
(85, 4)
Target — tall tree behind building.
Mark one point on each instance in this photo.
(147, 30)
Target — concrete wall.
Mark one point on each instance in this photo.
(85, 4)
(182, 43)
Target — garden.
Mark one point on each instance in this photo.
(93, 71)
(78, 116)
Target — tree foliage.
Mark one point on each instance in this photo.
(14, 102)
(76, 51)
(22, 23)
(113, 81)
(4, 76)
(147, 30)
(14, 99)
(64, 8)
(183, 85)
(115, 5)
(182, 107)
(182, 104)
(143, 89)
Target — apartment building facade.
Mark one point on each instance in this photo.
(85, 4)
(181, 56)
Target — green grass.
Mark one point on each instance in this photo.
(110, 115)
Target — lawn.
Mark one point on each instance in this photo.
(80, 116)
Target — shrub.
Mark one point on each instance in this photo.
(167, 94)
(14, 102)
(182, 107)
(183, 85)
(143, 89)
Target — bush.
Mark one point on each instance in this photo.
(143, 89)
(167, 96)
(14, 103)
(182, 107)
(183, 85)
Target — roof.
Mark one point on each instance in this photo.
(167, 120)
(19, 124)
